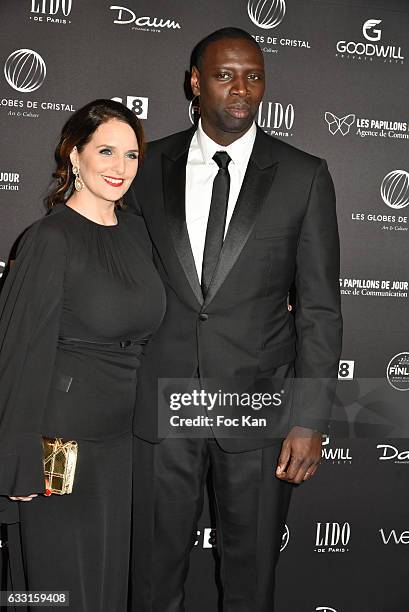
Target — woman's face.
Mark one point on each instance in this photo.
(109, 161)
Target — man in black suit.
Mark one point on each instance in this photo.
(236, 218)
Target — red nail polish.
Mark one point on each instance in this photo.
(48, 492)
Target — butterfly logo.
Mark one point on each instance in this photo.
(339, 124)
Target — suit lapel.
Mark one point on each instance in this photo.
(174, 186)
(256, 186)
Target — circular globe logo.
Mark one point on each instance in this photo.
(25, 70)
(285, 538)
(194, 110)
(395, 189)
(266, 14)
(397, 372)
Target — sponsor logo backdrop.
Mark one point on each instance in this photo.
(337, 87)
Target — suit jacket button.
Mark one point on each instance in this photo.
(203, 316)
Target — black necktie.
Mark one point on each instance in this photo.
(217, 219)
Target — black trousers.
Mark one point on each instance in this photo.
(251, 507)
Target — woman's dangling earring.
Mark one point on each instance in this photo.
(78, 184)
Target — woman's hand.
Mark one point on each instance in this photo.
(31, 497)
(28, 498)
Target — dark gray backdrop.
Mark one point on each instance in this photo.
(327, 93)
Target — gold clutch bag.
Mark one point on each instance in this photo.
(60, 459)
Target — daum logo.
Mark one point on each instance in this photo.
(390, 452)
(339, 124)
(25, 70)
(395, 189)
(125, 17)
(397, 372)
(266, 14)
(368, 29)
(285, 538)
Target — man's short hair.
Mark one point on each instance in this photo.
(223, 33)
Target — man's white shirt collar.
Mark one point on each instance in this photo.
(239, 151)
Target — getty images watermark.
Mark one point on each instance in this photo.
(233, 407)
(241, 407)
(268, 408)
(209, 401)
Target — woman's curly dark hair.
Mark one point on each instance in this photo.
(76, 132)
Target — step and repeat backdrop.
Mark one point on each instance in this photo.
(337, 86)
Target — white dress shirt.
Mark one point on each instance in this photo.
(201, 170)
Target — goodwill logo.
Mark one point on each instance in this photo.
(2, 268)
(369, 31)
(336, 455)
(324, 609)
(397, 372)
(125, 16)
(25, 70)
(51, 11)
(368, 49)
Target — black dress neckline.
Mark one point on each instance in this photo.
(101, 225)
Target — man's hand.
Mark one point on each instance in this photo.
(300, 455)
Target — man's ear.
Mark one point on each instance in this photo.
(195, 80)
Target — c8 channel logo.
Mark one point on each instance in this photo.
(136, 104)
(346, 370)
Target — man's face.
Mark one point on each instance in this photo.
(231, 85)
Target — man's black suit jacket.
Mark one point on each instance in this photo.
(283, 232)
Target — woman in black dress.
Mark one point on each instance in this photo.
(76, 311)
